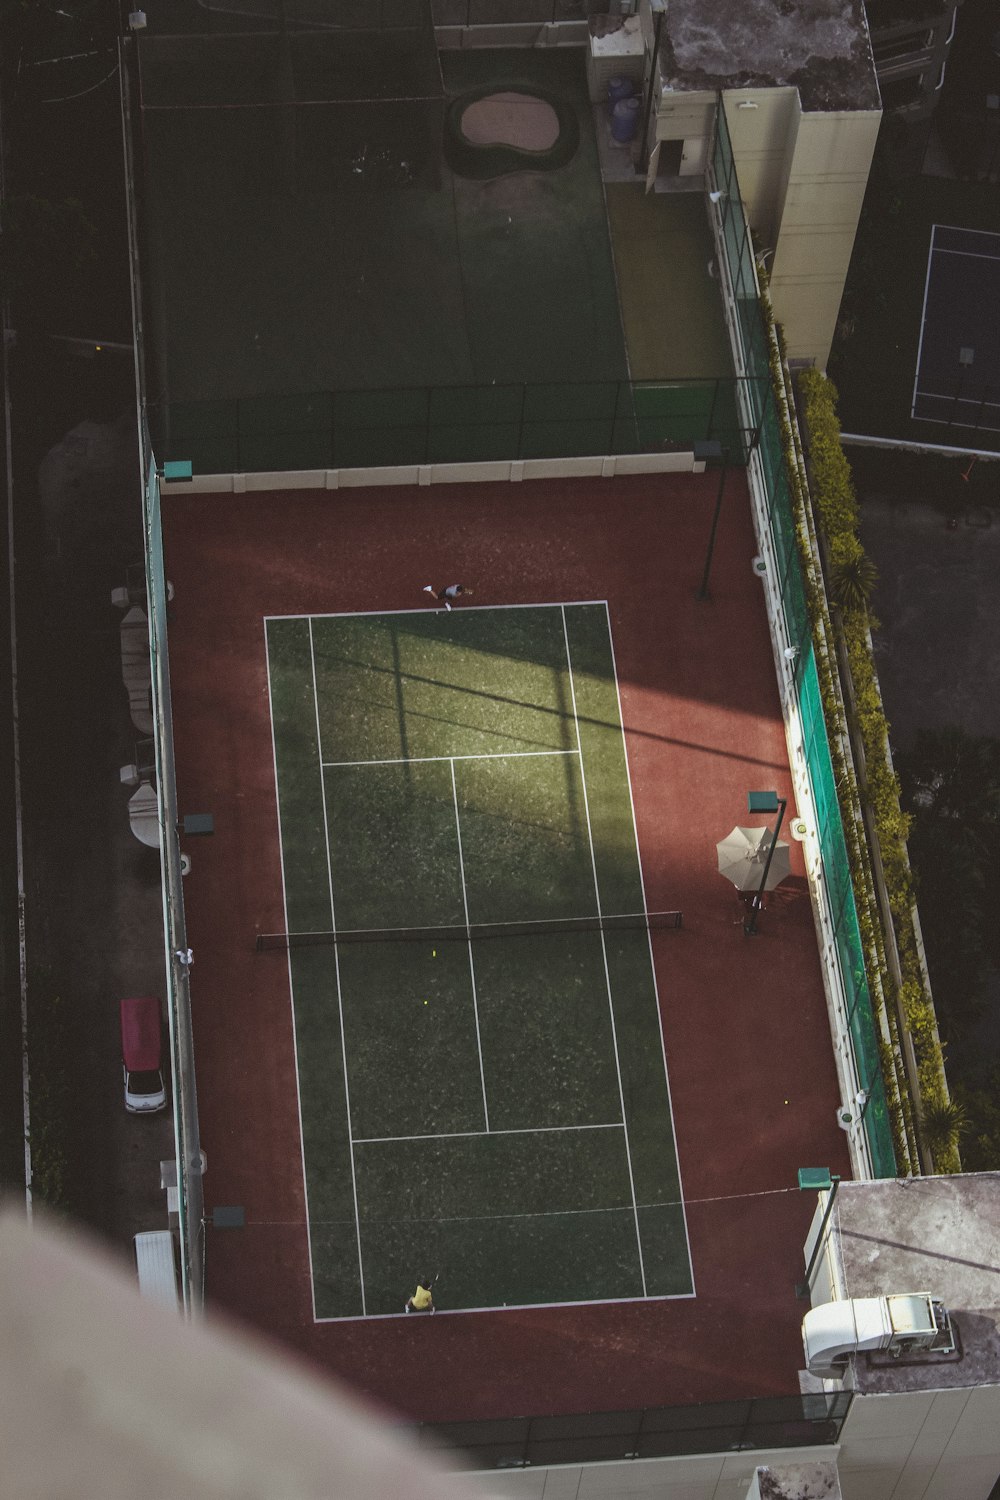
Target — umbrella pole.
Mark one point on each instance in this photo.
(750, 925)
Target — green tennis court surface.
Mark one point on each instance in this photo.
(491, 1108)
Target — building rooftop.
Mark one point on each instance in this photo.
(820, 47)
(936, 1235)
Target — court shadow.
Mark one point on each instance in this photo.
(791, 892)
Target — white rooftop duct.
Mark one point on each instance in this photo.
(910, 1323)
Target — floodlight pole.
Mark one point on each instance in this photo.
(701, 450)
(764, 802)
(812, 1178)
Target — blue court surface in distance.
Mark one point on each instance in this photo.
(958, 362)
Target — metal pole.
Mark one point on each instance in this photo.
(750, 927)
(658, 7)
(703, 590)
(804, 1288)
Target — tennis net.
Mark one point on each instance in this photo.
(271, 942)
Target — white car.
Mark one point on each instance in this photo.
(142, 1039)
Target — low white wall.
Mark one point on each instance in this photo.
(912, 1445)
(708, 1476)
(514, 470)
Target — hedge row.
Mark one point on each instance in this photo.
(835, 508)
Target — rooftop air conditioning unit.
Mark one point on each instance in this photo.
(914, 1323)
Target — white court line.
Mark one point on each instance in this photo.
(968, 254)
(463, 609)
(923, 321)
(971, 255)
(970, 400)
(291, 987)
(604, 955)
(336, 960)
(414, 760)
(461, 1312)
(988, 233)
(472, 965)
(461, 1135)
(979, 426)
(960, 401)
(618, 1125)
(649, 940)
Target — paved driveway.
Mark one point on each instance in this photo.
(938, 600)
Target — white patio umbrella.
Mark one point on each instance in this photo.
(743, 855)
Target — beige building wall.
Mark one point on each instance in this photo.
(922, 1445)
(802, 178)
(687, 117)
(709, 1476)
(762, 124)
(817, 218)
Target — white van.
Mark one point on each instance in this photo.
(156, 1267)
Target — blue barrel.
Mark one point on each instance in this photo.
(625, 120)
(620, 88)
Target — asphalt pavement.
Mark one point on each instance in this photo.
(935, 540)
(93, 909)
(938, 601)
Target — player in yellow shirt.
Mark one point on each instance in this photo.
(422, 1300)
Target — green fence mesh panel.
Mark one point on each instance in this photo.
(456, 424)
(190, 1200)
(753, 334)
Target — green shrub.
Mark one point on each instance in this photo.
(981, 1144)
(852, 578)
(942, 1122)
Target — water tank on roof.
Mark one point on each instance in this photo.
(625, 120)
(620, 88)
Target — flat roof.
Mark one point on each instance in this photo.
(927, 1234)
(820, 47)
(325, 245)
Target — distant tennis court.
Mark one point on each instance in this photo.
(958, 362)
(481, 1072)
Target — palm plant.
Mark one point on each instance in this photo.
(942, 1123)
(852, 580)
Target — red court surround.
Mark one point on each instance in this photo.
(748, 1044)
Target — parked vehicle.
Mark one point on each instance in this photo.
(142, 1033)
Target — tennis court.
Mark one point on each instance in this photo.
(481, 1074)
(958, 362)
(307, 235)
